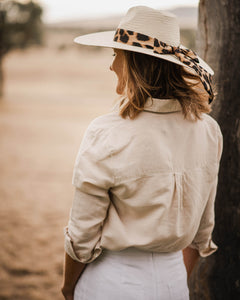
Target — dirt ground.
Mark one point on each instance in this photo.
(50, 98)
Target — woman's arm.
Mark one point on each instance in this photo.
(190, 258)
(72, 271)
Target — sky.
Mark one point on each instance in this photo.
(61, 10)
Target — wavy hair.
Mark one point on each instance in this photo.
(148, 76)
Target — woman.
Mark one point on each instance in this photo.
(145, 175)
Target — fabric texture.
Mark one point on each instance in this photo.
(148, 183)
(132, 274)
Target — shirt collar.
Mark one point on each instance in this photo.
(162, 105)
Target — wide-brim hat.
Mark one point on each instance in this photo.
(151, 32)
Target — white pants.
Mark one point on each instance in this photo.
(132, 274)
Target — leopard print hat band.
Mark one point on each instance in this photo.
(184, 55)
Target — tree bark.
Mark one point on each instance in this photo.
(1, 77)
(218, 276)
(2, 21)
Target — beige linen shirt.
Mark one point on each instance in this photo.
(148, 183)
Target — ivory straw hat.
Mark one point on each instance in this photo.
(145, 20)
(152, 32)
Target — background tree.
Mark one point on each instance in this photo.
(218, 276)
(20, 26)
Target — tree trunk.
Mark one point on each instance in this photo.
(2, 42)
(1, 77)
(218, 276)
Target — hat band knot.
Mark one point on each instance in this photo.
(186, 56)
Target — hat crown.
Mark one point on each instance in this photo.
(154, 23)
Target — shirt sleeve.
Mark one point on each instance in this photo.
(92, 178)
(203, 239)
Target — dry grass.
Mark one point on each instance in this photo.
(50, 98)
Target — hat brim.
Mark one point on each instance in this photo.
(105, 39)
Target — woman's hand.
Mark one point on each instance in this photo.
(72, 271)
(190, 257)
(67, 294)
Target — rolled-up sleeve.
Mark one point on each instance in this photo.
(203, 239)
(92, 179)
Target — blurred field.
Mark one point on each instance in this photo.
(50, 98)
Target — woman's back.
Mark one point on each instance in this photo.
(167, 175)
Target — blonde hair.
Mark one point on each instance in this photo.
(147, 76)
